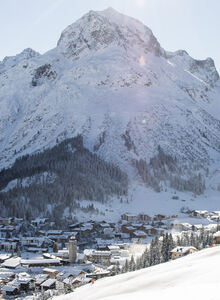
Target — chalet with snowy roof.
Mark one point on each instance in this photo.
(136, 225)
(128, 229)
(200, 213)
(34, 241)
(98, 256)
(182, 251)
(216, 212)
(70, 282)
(49, 284)
(54, 232)
(149, 229)
(182, 226)
(139, 234)
(39, 279)
(160, 217)
(7, 230)
(36, 250)
(216, 237)
(211, 228)
(129, 217)
(39, 222)
(23, 282)
(9, 291)
(4, 257)
(52, 273)
(144, 217)
(108, 232)
(8, 246)
(5, 221)
(122, 235)
(12, 263)
(73, 273)
(215, 218)
(40, 262)
(75, 225)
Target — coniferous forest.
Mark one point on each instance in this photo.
(73, 173)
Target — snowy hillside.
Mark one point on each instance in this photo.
(111, 82)
(196, 275)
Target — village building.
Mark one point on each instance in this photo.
(54, 232)
(97, 256)
(149, 229)
(5, 221)
(128, 229)
(182, 226)
(12, 263)
(216, 237)
(75, 225)
(39, 279)
(160, 217)
(48, 284)
(40, 262)
(8, 246)
(4, 257)
(9, 291)
(39, 222)
(139, 234)
(200, 213)
(108, 232)
(129, 217)
(52, 273)
(144, 217)
(182, 251)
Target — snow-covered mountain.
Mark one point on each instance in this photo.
(196, 274)
(109, 80)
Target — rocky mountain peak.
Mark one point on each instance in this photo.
(11, 61)
(108, 28)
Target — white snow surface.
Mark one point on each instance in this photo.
(195, 275)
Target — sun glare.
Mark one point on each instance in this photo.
(140, 3)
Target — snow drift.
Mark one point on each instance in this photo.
(196, 275)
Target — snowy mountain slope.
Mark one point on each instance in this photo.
(194, 275)
(109, 80)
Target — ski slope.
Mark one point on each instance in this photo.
(196, 275)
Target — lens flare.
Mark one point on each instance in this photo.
(142, 61)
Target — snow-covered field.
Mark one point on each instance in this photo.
(192, 277)
(145, 200)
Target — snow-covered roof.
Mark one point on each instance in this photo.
(201, 212)
(100, 253)
(129, 215)
(48, 282)
(39, 261)
(41, 278)
(11, 262)
(182, 249)
(9, 288)
(217, 234)
(139, 233)
(148, 227)
(4, 256)
(49, 270)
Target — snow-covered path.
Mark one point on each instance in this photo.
(197, 275)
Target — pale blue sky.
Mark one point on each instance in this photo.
(192, 25)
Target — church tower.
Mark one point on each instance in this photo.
(72, 249)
